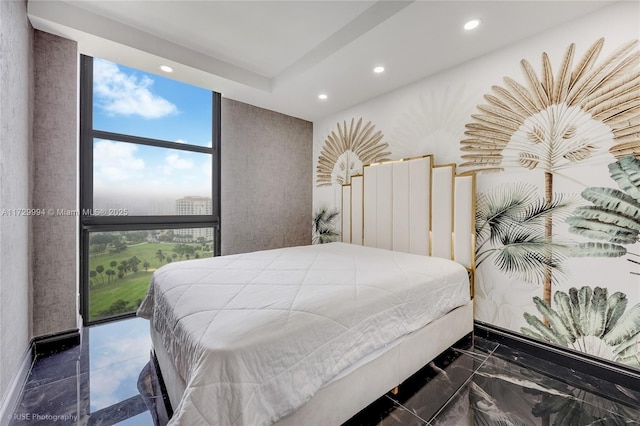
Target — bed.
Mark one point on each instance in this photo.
(313, 334)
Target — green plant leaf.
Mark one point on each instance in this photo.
(614, 200)
(627, 326)
(616, 305)
(597, 250)
(542, 329)
(562, 303)
(575, 310)
(608, 216)
(498, 210)
(584, 304)
(598, 312)
(626, 173)
(529, 332)
(562, 333)
(628, 352)
(613, 235)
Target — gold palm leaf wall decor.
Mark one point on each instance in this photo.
(345, 152)
(554, 122)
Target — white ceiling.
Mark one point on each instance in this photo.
(280, 55)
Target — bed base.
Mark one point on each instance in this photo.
(365, 382)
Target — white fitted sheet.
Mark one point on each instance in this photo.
(254, 336)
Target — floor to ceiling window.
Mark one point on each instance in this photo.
(150, 182)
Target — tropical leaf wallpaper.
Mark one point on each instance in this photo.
(554, 122)
(344, 153)
(614, 214)
(551, 127)
(588, 320)
(548, 126)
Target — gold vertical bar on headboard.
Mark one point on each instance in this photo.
(453, 211)
(346, 215)
(464, 234)
(430, 186)
(357, 211)
(442, 225)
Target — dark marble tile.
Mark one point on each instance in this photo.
(531, 395)
(434, 386)
(53, 367)
(59, 401)
(456, 412)
(95, 383)
(384, 411)
(401, 416)
(153, 394)
(577, 378)
(111, 379)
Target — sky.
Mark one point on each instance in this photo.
(148, 179)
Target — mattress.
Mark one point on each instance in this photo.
(255, 335)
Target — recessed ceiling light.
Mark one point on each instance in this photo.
(322, 96)
(470, 25)
(378, 70)
(166, 68)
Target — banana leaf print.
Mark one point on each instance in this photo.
(614, 215)
(589, 321)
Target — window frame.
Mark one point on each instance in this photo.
(91, 223)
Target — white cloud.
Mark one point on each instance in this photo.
(121, 94)
(175, 162)
(115, 369)
(115, 161)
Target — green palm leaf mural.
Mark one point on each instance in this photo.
(581, 115)
(590, 321)
(613, 209)
(324, 227)
(511, 232)
(614, 215)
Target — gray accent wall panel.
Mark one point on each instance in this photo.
(266, 179)
(16, 112)
(55, 144)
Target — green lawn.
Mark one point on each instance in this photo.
(130, 289)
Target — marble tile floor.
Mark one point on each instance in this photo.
(109, 379)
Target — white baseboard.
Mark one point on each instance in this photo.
(11, 397)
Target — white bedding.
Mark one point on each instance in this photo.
(255, 335)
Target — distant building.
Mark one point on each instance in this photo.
(194, 206)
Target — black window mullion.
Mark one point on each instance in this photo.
(90, 222)
(157, 221)
(118, 137)
(86, 175)
(216, 175)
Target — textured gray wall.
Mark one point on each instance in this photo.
(266, 179)
(54, 184)
(16, 88)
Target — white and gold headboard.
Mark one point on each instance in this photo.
(412, 206)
